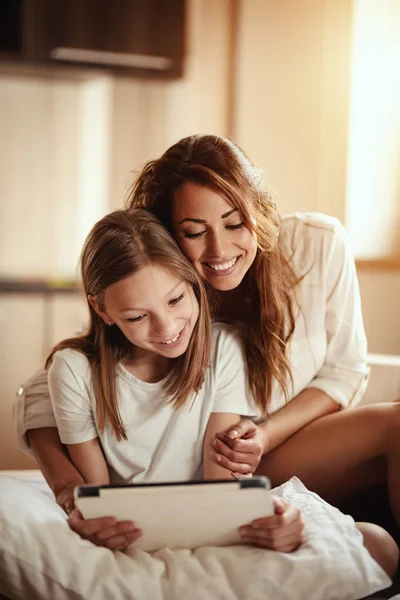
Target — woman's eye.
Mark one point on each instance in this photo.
(238, 226)
(136, 319)
(176, 300)
(192, 236)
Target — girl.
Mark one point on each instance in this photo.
(136, 396)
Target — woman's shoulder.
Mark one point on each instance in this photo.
(310, 224)
(310, 237)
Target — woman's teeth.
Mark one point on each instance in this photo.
(224, 266)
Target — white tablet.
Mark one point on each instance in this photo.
(181, 514)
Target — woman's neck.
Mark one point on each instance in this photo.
(231, 305)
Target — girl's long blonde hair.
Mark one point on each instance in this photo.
(118, 246)
(269, 285)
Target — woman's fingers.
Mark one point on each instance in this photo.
(238, 468)
(233, 455)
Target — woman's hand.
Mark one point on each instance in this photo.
(105, 531)
(240, 448)
(282, 531)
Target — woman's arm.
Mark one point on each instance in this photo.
(57, 468)
(342, 378)
(217, 422)
(89, 459)
(37, 434)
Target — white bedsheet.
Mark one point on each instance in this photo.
(41, 558)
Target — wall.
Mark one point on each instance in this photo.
(292, 98)
(67, 150)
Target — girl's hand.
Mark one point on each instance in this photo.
(105, 531)
(282, 531)
(240, 448)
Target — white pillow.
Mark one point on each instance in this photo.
(41, 558)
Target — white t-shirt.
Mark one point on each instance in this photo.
(163, 443)
(328, 348)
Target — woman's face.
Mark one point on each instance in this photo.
(211, 233)
(154, 309)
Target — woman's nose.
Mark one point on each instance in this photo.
(216, 245)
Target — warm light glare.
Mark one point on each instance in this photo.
(373, 191)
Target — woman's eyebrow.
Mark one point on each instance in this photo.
(194, 220)
(229, 213)
(204, 221)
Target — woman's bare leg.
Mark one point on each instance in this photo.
(381, 547)
(342, 454)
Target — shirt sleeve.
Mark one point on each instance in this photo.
(344, 374)
(32, 408)
(69, 386)
(233, 393)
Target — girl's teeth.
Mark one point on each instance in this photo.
(223, 267)
(173, 340)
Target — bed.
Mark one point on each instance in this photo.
(41, 558)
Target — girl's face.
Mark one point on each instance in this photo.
(211, 233)
(154, 309)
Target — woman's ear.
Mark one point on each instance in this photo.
(94, 304)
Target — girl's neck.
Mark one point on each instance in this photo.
(150, 368)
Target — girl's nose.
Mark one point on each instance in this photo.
(164, 328)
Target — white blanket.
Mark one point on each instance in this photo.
(41, 558)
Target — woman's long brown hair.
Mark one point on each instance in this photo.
(118, 246)
(270, 282)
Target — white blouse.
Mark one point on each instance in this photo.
(328, 348)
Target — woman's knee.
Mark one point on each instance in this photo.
(381, 546)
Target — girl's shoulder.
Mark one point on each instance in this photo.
(227, 339)
(73, 360)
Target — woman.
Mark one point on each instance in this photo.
(291, 283)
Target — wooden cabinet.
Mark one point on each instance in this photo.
(136, 37)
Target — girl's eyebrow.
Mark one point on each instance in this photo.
(227, 214)
(171, 291)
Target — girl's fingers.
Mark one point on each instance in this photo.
(120, 528)
(121, 542)
(286, 544)
(87, 527)
(291, 515)
(271, 534)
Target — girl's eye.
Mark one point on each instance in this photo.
(192, 236)
(136, 319)
(176, 300)
(238, 226)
